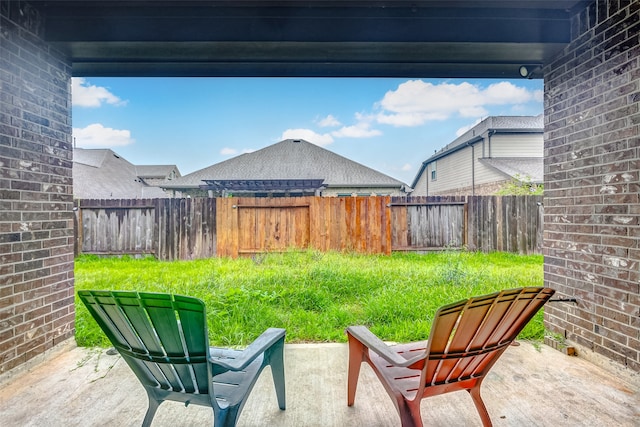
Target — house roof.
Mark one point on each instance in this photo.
(519, 167)
(93, 158)
(155, 171)
(291, 159)
(494, 124)
(103, 174)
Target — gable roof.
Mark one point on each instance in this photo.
(103, 174)
(156, 171)
(518, 167)
(93, 158)
(291, 159)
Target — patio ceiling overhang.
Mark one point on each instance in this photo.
(312, 38)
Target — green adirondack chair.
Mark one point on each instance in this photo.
(163, 338)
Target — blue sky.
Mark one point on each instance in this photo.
(391, 125)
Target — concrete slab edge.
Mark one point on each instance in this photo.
(34, 362)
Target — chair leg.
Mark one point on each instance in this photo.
(409, 413)
(151, 411)
(482, 409)
(227, 417)
(276, 361)
(356, 357)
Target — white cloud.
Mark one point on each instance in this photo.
(406, 167)
(308, 135)
(408, 119)
(87, 95)
(328, 121)
(362, 128)
(473, 111)
(538, 95)
(464, 129)
(98, 136)
(359, 130)
(505, 93)
(416, 102)
(228, 151)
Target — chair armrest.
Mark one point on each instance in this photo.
(261, 344)
(375, 344)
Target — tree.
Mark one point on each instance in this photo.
(520, 186)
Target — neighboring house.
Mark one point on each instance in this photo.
(103, 174)
(292, 167)
(154, 175)
(483, 159)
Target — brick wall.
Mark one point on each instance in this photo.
(592, 209)
(36, 218)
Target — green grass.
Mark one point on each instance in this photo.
(314, 295)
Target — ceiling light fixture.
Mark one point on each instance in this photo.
(528, 71)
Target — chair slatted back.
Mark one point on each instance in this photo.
(162, 337)
(468, 336)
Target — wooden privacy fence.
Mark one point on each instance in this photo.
(229, 227)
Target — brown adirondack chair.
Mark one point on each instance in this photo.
(163, 338)
(466, 339)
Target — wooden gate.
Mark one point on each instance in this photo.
(272, 228)
(253, 225)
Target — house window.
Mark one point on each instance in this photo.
(433, 171)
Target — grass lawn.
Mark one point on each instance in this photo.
(314, 295)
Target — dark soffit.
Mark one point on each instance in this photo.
(308, 38)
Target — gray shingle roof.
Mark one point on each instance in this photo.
(155, 171)
(103, 174)
(93, 158)
(289, 159)
(532, 167)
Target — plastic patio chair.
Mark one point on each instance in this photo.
(163, 338)
(466, 339)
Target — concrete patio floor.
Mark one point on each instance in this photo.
(529, 386)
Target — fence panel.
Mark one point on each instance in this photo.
(186, 228)
(358, 224)
(170, 229)
(505, 223)
(116, 226)
(428, 223)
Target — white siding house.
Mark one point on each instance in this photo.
(481, 160)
